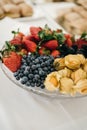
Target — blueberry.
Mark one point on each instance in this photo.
(30, 76)
(52, 69)
(34, 80)
(42, 79)
(17, 78)
(38, 84)
(43, 64)
(45, 69)
(32, 58)
(36, 72)
(41, 73)
(23, 67)
(28, 60)
(36, 61)
(33, 67)
(51, 57)
(30, 71)
(25, 64)
(16, 74)
(23, 60)
(37, 76)
(24, 80)
(21, 70)
(40, 69)
(30, 64)
(38, 65)
(26, 72)
(47, 63)
(24, 56)
(42, 86)
(29, 56)
(28, 83)
(28, 68)
(21, 75)
(48, 72)
(32, 85)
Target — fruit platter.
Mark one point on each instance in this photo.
(48, 62)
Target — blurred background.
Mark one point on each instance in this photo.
(70, 14)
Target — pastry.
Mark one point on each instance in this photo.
(66, 85)
(59, 63)
(65, 72)
(7, 1)
(2, 14)
(17, 1)
(11, 10)
(74, 61)
(25, 9)
(78, 75)
(85, 66)
(81, 86)
(1, 3)
(72, 20)
(52, 81)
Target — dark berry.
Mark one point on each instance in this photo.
(26, 72)
(24, 80)
(15, 74)
(17, 78)
(30, 76)
(28, 83)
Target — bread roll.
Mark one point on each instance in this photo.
(17, 1)
(25, 9)
(2, 14)
(12, 10)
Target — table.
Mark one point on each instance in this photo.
(24, 110)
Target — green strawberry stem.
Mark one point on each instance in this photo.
(15, 32)
(84, 36)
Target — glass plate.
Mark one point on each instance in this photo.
(37, 90)
(24, 27)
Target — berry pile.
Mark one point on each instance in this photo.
(34, 70)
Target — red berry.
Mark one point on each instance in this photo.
(55, 53)
(34, 32)
(17, 40)
(67, 36)
(69, 42)
(30, 46)
(43, 51)
(52, 44)
(13, 61)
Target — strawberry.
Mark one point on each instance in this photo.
(67, 36)
(17, 40)
(20, 34)
(12, 61)
(52, 44)
(34, 32)
(43, 51)
(30, 46)
(23, 52)
(55, 53)
(69, 42)
(28, 37)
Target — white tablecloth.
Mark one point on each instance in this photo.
(23, 110)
